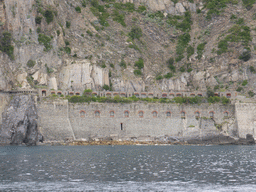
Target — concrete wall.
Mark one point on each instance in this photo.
(246, 119)
(55, 117)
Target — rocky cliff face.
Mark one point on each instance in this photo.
(20, 122)
(184, 45)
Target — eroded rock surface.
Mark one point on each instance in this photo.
(20, 122)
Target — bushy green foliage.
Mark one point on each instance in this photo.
(248, 4)
(246, 55)
(244, 83)
(213, 99)
(68, 24)
(83, 3)
(141, 9)
(159, 77)
(135, 33)
(67, 50)
(251, 93)
(87, 92)
(236, 34)
(200, 50)
(38, 20)
(49, 16)
(137, 72)
(125, 6)
(46, 41)
(183, 41)
(100, 12)
(58, 32)
(184, 25)
(216, 6)
(89, 33)
(210, 93)
(225, 100)
(252, 70)
(117, 99)
(170, 63)
(78, 9)
(67, 43)
(168, 75)
(6, 44)
(31, 63)
(190, 51)
(239, 89)
(189, 70)
(119, 17)
(139, 63)
(182, 69)
(105, 87)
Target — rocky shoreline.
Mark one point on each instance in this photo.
(221, 140)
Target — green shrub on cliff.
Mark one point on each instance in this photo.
(48, 14)
(6, 44)
(31, 63)
(46, 41)
(135, 33)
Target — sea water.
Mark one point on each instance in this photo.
(128, 168)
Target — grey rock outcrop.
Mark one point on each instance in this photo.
(20, 122)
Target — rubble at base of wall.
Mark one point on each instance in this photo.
(163, 140)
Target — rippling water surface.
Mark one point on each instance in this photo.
(128, 168)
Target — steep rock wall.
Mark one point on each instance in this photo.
(20, 122)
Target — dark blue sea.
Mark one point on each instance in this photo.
(128, 168)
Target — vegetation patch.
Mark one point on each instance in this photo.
(6, 44)
(238, 33)
(215, 7)
(31, 63)
(46, 41)
(200, 50)
(49, 16)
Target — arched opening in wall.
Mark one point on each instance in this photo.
(137, 95)
(150, 95)
(199, 95)
(126, 114)
(178, 95)
(183, 115)
(143, 95)
(216, 94)
(154, 114)
(115, 94)
(228, 95)
(77, 93)
(121, 126)
(171, 95)
(108, 94)
(192, 95)
(164, 95)
(59, 94)
(43, 93)
(97, 113)
(71, 93)
(197, 115)
(211, 114)
(82, 113)
(123, 95)
(168, 114)
(226, 114)
(111, 113)
(141, 114)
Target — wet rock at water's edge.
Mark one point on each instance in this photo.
(20, 122)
